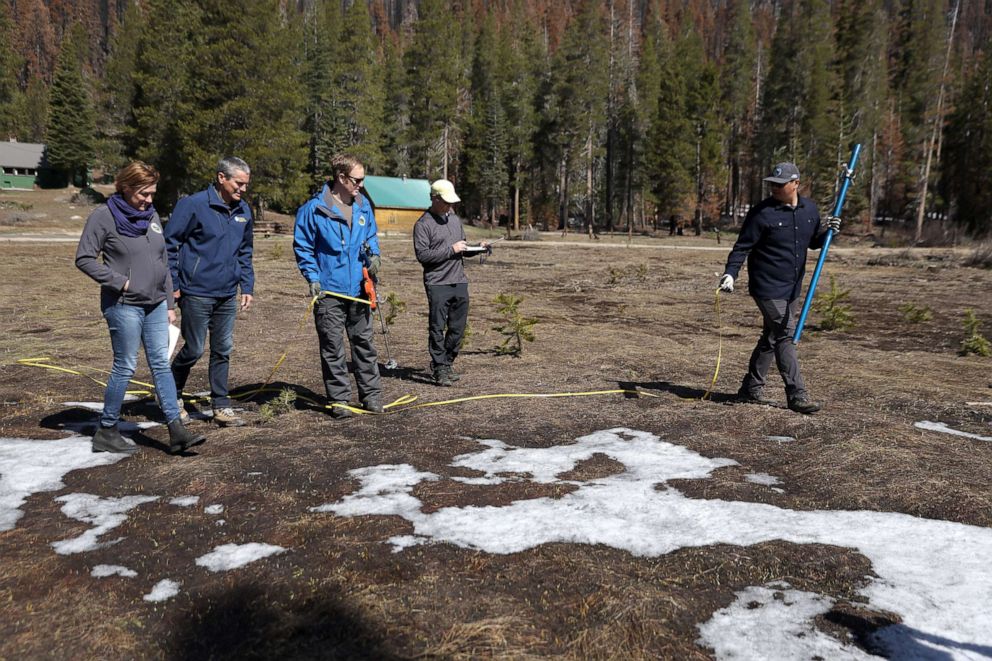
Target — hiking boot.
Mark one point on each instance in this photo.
(338, 412)
(803, 404)
(752, 397)
(373, 404)
(109, 439)
(442, 376)
(183, 413)
(226, 417)
(182, 439)
(452, 374)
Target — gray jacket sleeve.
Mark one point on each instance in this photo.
(422, 246)
(90, 245)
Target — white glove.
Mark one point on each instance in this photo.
(833, 222)
(727, 283)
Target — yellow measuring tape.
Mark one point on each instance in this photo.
(719, 351)
(403, 403)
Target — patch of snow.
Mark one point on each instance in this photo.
(943, 428)
(104, 513)
(184, 501)
(31, 466)
(214, 509)
(780, 439)
(762, 478)
(476, 480)
(220, 522)
(774, 622)
(102, 571)
(233, 556)
(254, 473)
(163, 590)
(939, 583)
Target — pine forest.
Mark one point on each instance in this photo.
(613, 115)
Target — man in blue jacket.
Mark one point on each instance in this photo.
(334, 238)
(775, 237)
(209, 240)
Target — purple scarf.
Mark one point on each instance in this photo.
(129, 221)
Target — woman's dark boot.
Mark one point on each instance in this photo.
(181, 439)
(109, 439)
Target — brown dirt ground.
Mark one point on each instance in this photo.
(342, 593)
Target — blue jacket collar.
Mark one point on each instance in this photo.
(214, 199)
(322, 206)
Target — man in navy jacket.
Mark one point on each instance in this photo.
(209, 241)
(775, 237)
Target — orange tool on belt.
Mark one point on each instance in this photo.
(368, 287)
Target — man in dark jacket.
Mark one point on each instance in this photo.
(209, 240)
(775, 237)
(439, 243)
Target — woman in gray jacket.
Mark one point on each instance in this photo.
(135, 298)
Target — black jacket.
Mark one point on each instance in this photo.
(774, 239)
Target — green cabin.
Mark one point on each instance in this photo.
(398, 202)
(20, 164)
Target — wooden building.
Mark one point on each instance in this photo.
(398, 202)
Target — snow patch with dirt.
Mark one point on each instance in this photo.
(934, 574)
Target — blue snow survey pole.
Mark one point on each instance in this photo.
(848, 176)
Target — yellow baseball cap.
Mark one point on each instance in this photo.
(445, 190)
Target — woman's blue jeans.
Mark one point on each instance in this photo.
(133, 326)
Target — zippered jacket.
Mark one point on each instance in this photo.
(210, 246)
(140, 259)
(327, 250)
(774, 239)
(433, 237)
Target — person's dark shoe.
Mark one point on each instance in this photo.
(442, 376)
(109, 439)
(373, 404)
(753, 397)
(339, 412)
(182, 439)
(226, 417)
(452, 374)
(803, 404)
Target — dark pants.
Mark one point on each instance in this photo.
(334, 318)
(779, 318)
(448, 305)
(201, 314)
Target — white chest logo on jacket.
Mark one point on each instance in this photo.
(155, 228)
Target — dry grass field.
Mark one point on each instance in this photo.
(610, 316)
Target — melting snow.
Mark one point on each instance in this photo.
(104, 513)
(101, 571)
(774, 622)
(935, 574)
(941, 427)
(233, 556)
(164, 589)
(184, 501)
(762, 478)
(213, 509)
(28, 466)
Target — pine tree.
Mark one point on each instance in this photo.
(222, 80)
(968, 155)
(360, 87)
(522, 55)
(672, 138)
(738, 82)
(321, 61)
(71, 124)
(118, 88)
(435, 78)
(10, 93)
(579, 91)
(702, 101)
(396, 124)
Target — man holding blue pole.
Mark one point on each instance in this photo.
(774, 239)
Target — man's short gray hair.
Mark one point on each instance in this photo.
(228, 165)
